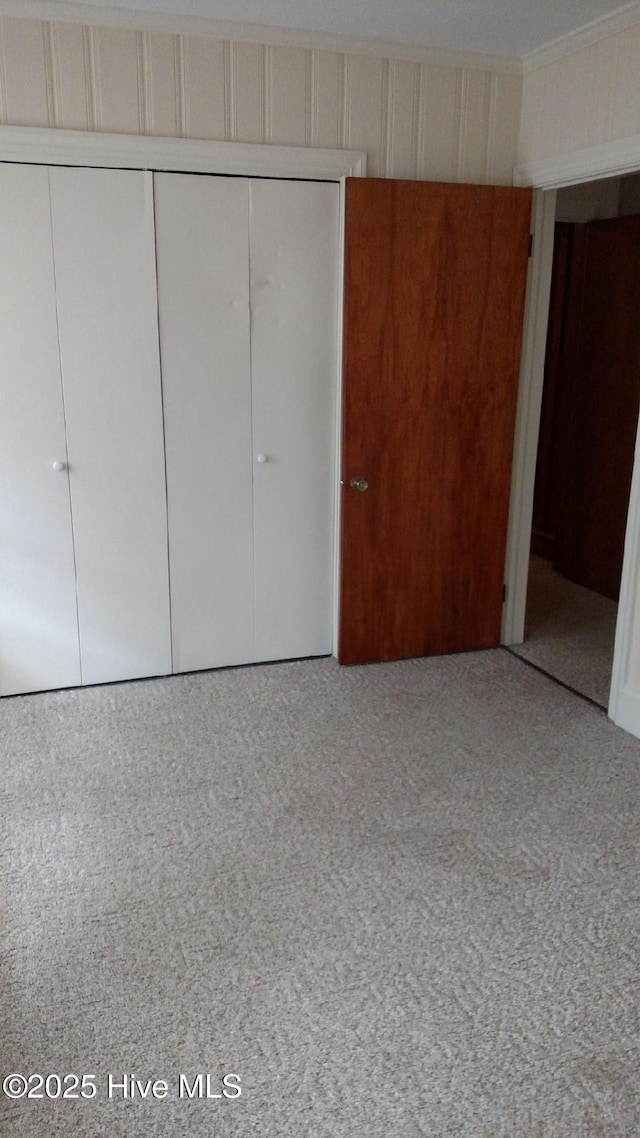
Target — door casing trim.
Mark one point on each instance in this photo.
(609, 159)
(50, 147)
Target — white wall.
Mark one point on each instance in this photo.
(416, 119)
(582, 99)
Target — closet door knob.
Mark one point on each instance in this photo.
(262, 458)
(57, 465)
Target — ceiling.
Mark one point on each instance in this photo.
(496, 27)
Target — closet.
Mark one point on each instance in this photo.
(168, 376)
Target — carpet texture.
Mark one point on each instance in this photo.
(570, 631)
(397, 901)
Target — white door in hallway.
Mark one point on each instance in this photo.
(38, 623)
(248, 303)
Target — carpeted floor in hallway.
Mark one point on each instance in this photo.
(396, 901)
(570, 632)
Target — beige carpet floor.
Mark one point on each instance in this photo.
(398, 901)
(569, 632)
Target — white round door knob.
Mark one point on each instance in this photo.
(262, 458)
(57, 465)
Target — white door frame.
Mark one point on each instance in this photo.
(51, 147)
(607, 160)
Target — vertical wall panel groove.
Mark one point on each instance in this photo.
(416, 122)
(68, 77)
(422, 122)
(367, 99)
(266, 94)
(145, 96)
(92, 79)
(230, 101)
(388, 92)
(463, 91)
(118, 79)
(179, 64)
(159, 84)
(505, 127)
(286, 86)
(52, 73)
(491, 128)
(403, 112)
(3, 85)
(344, 100)
(311, 100)
(24, 66)
(477, 116)
(206, 80)
(326, 110)
(249, 91)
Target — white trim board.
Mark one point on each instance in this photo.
(624, 705)
(607, 160)
(42, 145)
(528, 418)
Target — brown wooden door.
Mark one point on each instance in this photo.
(596, 422)
(434, 297)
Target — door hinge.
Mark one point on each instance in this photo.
(504, 593)
(530, 244)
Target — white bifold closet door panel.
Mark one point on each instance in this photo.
(103, 233)
(294, 232)
(203, 293)
(38, 622)
(247, 289)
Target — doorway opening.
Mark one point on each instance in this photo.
(588, 425)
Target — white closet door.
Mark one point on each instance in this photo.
(38, 621)
(103, 232)
(294, 229)
(203, 293)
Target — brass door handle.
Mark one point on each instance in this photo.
(359, 483)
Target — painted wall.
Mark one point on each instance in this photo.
(589, 97)
(414, 119)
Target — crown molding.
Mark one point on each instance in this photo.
(76, 12)
(69, 12)
(587, 36)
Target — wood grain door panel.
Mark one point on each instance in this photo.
(434, 294)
